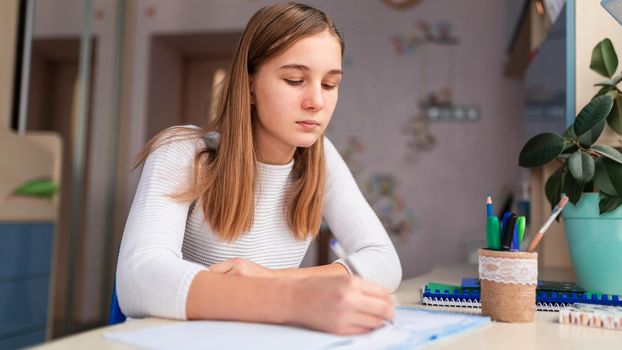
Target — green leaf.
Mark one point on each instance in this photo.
(608, 177)
(603, 90)
(608, 203)
(569, 134)
(553, 187)
(615, 116)
(581, 167)
(602, 180)
(608, 152)
(591, 116)
(37, 188)
(604, 58)
(570, 148)
(611, 83)
(587, 139)
(613, 93)
(606, 83)
(572, 188)
(540, 150)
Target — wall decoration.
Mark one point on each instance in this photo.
(439, 107)
(405, 45)
(381, 191)
(439, 33)
(353, 147)
(420, 139)
(433, 105)
(150, 12)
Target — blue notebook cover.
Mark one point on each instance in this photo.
(546, 300)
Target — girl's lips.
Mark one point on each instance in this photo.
(308, 125)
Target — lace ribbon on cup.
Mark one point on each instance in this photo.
(503, 270)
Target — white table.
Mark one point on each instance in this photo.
(544, 333)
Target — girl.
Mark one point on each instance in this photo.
(223, 216)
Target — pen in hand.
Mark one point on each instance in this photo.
(341, 254)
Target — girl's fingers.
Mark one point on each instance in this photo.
(367, 321)
(376, 307)
(351, 330)
(222, 267)
(373, 289)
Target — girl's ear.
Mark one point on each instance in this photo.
(252, 88)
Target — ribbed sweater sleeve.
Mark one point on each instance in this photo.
(152, 278)
(353, 222)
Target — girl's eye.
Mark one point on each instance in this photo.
(293, 82)
(329, 86)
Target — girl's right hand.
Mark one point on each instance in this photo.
(342, 305)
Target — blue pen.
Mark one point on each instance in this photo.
(515, 243)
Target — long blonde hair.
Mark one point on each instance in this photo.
(224, 178)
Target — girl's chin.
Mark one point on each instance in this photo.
(307, 141)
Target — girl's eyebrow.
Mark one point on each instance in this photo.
(302, 67)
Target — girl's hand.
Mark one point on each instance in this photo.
(341, 305)
(242, 267)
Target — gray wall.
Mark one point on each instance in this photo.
(445, 188)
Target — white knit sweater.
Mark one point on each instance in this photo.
(163, 249)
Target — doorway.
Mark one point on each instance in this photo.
(185, 72)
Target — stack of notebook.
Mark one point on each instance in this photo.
(550, 296)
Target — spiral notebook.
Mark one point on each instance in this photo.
(467, 296)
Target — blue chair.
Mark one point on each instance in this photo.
(116, 315)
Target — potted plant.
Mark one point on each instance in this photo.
(590, 175)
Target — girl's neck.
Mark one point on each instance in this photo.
(273, 153)
(275, 158)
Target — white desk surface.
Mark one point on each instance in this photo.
(544, 333)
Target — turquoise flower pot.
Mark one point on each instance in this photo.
(595, 244)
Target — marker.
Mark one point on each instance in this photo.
(508, 233)
(558, 209)
(515, 244)
(504, 221)
(493, 235)
(521, 223)
(489, 206)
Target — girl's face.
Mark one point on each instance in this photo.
(295, 94)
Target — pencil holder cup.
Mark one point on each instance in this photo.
(508, 285)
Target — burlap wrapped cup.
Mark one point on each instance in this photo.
(508, 285)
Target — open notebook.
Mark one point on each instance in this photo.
(411, 329)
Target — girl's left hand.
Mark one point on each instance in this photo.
(242, 267)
